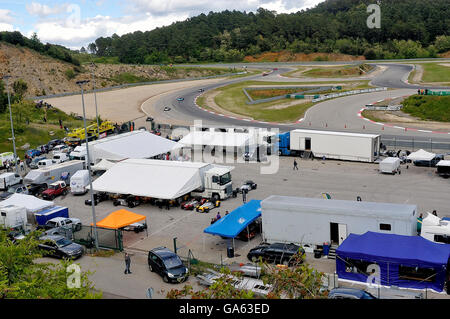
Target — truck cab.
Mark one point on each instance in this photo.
(217, 184)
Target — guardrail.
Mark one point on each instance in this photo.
(133, 84)
(384, 107)
(353, 92)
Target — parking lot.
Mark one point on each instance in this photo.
(416, 185)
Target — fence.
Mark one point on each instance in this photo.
(302, 91)
(383, 107)
(354, 92)
(107, 238)
(413, 144)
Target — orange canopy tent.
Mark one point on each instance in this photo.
(119, 219)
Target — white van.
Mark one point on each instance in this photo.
(79, 153)
(79, 182)
(45, 163)
(9, 179)
(60, 158)
(60, 149)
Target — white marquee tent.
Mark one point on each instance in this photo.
(31, 203)
(421, 155)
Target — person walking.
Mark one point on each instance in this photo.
(127, 264)
(295, 165)
(218, 216)
(419, 224)
(244, 196)
(22, 167)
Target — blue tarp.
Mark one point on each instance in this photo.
(235, 222)
(390, 252)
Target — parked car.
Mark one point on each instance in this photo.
(253, 229)
(34, 162)
(98, 197)
(129, 201)
(55, 189)
(60, 247)
(63, 221)
(180, 99)
(280, 253)
(15, 189)
(33, 153)
(166, 109)
(349, 293)
(136, 227)
(206, 207)
(248, 186)
(167, 264)
(192, 204)
(36, 189)
(60, 149)
(149, 119)
(53, 143)
(43, 148)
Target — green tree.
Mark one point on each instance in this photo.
(21, 277)
(20, 87)
(3, 97)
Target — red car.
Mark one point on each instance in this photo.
(191, 204)
(55, 189)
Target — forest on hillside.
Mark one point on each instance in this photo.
(409, 29)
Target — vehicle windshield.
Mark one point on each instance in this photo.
(63, 242)
(53, 187)
(225, 179)
(51, 224)
(172, 262)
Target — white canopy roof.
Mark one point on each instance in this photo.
(216, 138)
(443, 163)
(31, 203)
(136, 144)
(103, 165)
(421, 155)
(152, 178)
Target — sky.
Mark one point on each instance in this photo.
(77, 23)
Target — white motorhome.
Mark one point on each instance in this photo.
(315, 221)
(79, 181)
(52, 173)
(13, 216)
(45, 163)
(435, 229)
(390, 165)
(336, 145)
(9, 179)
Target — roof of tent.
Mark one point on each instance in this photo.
(103, 165)
(136, 144)
(395, 248)
(213, 138)
(31, 203)
(152, 178)
(235, 222)
(421, 155)
(119, 219)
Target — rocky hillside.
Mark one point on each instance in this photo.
(45, 75)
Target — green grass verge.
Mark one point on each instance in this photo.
(433, 72)
(434, 108)
(37, 131)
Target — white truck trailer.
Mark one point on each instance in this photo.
(52, 173)
(314, 221)
(336, 145)
(13, 216)
(166, 179)
(390, 165)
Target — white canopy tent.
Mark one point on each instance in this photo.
(136, 144)
(103, 165)
(31, 203)
(421, 155)
(152, 178)
(443, 163)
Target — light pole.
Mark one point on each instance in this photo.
(6, 78)
(95, 98)
(94, 219)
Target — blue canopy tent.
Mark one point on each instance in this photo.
(404, 261)
(235, 222)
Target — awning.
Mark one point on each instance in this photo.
(119, 219)
(152, 178)
(235, 222)
(421, 155)
(136, 144)
(103, 165)
(31, 203)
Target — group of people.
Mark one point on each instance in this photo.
(9, 165)
(218, 216)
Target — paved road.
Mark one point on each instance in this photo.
(337, 114)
